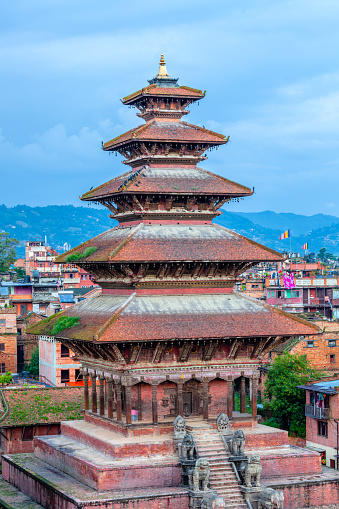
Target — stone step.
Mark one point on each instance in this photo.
(51, 488)
(102, 472)
(12, 498)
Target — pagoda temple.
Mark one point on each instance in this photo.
(167, 345)
(168, 335)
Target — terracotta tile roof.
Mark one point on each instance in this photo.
(160, 317)
(153, 90)
(172, 243)
(169, 131)
(170, 180)
(42, 405)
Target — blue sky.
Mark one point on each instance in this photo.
(270, 68)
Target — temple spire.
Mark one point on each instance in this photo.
(162, 68)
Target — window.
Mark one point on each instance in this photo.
(273, 294)
(332, 342)
(255, 286)
(19, 332)
(27, 433)
(2, 367)
(297, 293)
(23, 309)
(64, 351)
(322, 428)
(2, 347)
(268, 295)
(332, 463)
(2, 321)
(83, 276)
(309, 344)
(332, 357)
(287, 294)
(78, 376)
(64, 375)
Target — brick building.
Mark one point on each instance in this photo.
(8, 340)
(56, 363)
(34, 412)
(322, 412)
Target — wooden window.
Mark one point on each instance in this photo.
(64, 351)
(2, 347)
(322, 428)
(64, 375)
(2, 367)
(27, 433)
(332, 357)
(332, 463)
(78, 376)
(332, 342)
(309, 344)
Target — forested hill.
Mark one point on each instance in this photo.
(74, 225)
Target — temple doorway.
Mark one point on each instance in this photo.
(192, 399)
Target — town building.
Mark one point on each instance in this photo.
(8, 341)
(322, 414)
(57, 366)
(168, 336)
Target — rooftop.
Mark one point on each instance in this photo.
(327, 387)
(113, 318)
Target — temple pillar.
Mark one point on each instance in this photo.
(128, 406)
(86, 393)
(180, 402)
(139, 403)
(119, 412)
(254, 397)
(205, 398)
(109, 391)
(94, 393)
(230, 392)
(243, 394)
(101, 395)
(154, 404)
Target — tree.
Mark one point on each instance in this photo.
(7, 251)
(33, 366)
(285, 401)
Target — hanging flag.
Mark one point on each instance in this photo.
(305, 246)
(288, 280)
(285, 235)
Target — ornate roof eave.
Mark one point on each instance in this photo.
(219, 195)
(191, 93)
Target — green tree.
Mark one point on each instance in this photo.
(7, 251)
(33, 366)
(285, 401)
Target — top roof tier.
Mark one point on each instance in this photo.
(163, 97)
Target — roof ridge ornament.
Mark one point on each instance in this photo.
(162, 68)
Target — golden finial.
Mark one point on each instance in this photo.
(162, 68)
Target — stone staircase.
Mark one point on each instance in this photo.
(222, 478)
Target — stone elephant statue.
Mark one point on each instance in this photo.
(252, 471)
(271, 499)
(238, 443)
(213, 501)
(200, 475)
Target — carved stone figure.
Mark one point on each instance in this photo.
(213, 501)
(223, 424)
(252, 471)
(271, 499)
(238, 443)
(179, 425)
(200, 475)
(187, 447)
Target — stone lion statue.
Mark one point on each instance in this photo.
(238, 443)
(223, 424)
(213, 501)
(271, 499)
(200, 475)
(187, 447)
(252, 471)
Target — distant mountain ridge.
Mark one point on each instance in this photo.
(74, 225)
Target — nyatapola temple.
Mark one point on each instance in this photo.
(169, 341)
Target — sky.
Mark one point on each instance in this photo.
(270, 69)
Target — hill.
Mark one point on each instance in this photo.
(74, 225)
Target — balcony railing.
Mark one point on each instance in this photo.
(316, 412)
